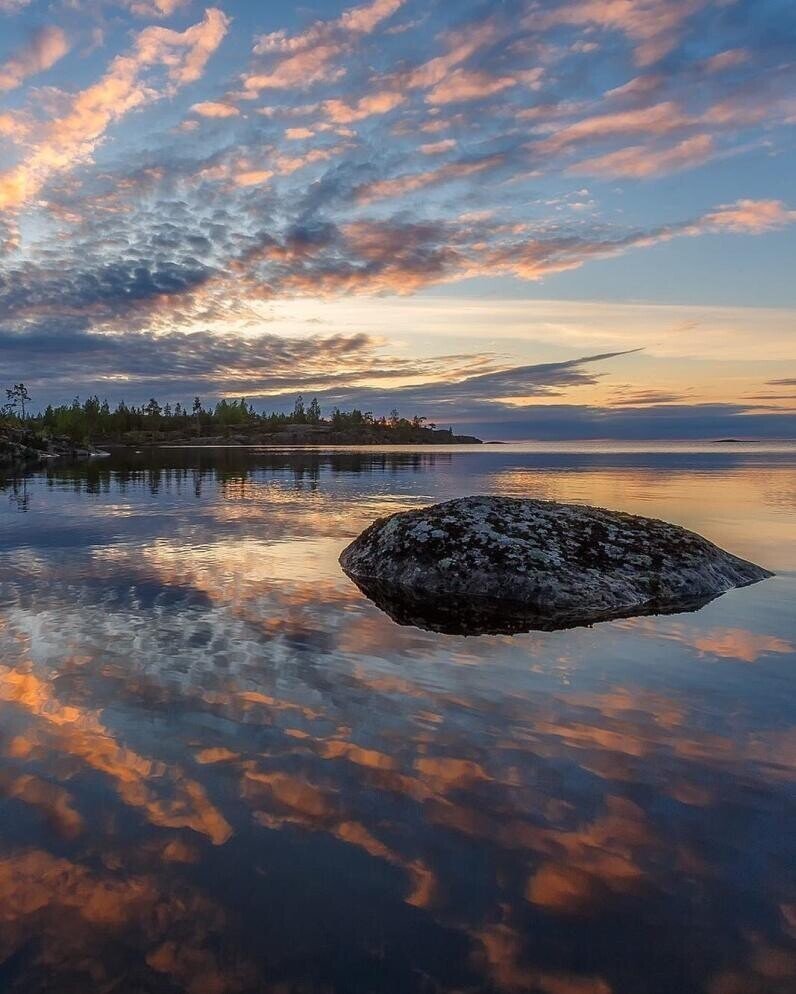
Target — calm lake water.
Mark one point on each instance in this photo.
(222, 769)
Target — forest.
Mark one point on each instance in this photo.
(91, 420)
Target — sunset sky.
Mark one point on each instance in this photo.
(561, 218)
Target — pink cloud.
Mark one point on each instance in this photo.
(660, 119)
(155, 8)
(211, 108)
(460, 44)
(640, 161)
(462, 85)
(46, 47)
(383, 189)
(308, 57)
(437, 148)
(72, 137)
(726, 60)
(654, 26)
(537, 258)
(184, 53)
(253, 177)
(287, 164)
(377, 103)
(754, 216)
(300, 70)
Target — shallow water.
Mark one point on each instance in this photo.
(222, 769)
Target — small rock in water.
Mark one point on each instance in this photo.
(500, 565)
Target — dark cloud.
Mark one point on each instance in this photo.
(668, 421)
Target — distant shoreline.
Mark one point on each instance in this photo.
(293, 435)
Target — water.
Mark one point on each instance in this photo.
(222, 769)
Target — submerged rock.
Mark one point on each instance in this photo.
(498, 564)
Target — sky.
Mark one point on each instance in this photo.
(524, 218)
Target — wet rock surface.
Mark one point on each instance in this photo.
(499, 564)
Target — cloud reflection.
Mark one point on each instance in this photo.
(221, 759)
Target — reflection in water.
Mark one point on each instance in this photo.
(223, 770)
(489, 616)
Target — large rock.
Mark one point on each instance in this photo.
(497, 564)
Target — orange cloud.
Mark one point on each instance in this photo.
(739, 643)
(50, 798)
(47, 46)
(80, 733)
(253, 177)
(13, 127)
(502, 950)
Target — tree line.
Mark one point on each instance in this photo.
(94, 418)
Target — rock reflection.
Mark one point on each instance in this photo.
(223, 770)
(487, 616)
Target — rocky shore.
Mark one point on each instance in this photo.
(21, 448)
(498, 564)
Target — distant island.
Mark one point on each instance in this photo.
(82, 427)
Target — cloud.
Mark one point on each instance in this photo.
(527, 381)
(44, 48)
(535, 258)
(659, 119)
(155, 8)
(210, 108)
(55, 361)
(339, 368)
(303, 59)
(375, 103)
(753, 216)
(73, 137)
(437, 148)
(460, 44)
(14, 127)
(726, 60)
(640, 161)
(9, 236)
(411, 182)
(653, 26)
(463, 85)
(667, 421)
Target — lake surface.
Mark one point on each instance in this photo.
(222, 769)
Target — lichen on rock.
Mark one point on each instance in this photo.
(512, 565)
